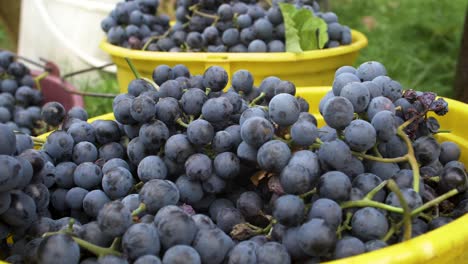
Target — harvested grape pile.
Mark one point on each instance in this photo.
(21, 101)
(189, 173)
(216, 26)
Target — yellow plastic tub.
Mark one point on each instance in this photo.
(310, 68)
(448, 244)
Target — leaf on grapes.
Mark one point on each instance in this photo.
(291, 33)
(313, 34)
(258, 176)
(274, 185)
(243, 231)
(304, 31)
(187, 208)
(300, 17)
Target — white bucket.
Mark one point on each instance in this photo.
(67, 32)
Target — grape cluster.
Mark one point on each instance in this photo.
(192, 172)
(232, 26)
(21, 102)
(132, 23)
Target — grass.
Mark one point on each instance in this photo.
(95, 105)
(5, 42)
(417, 40)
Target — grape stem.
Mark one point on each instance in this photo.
(314, 146)
(443, 131)
(203, 14)
(367, 201)
(435, 201)
(345, 226)
(137, 186)
(425, 216)
(379, 159)
(115, 243)
(406, 210)
(153, 38)
(340, 134)
(38, 79)
(433, 178)
(370, 195)
(181, 122)
(132, 67)
(95, 249)
(208, 91)
(268, 228)
(376, 151)
(391, 231)
(151, 82)
(411, 158)
(139, 210)
(371, 203)
(256, 99)
(287, 141)
(307, 194)
(71, 222)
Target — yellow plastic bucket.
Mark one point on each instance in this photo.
(448, 244)
(310, 68)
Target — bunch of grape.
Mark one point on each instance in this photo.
(131, 23)
(20, 100)
(235, 26)
(190, 173)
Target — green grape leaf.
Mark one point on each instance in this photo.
(291, 33)
(303, 30)
(313, 34)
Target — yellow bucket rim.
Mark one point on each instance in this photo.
(359, 41)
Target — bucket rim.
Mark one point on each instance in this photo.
(359, 41)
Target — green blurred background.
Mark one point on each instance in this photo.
(417, 40)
